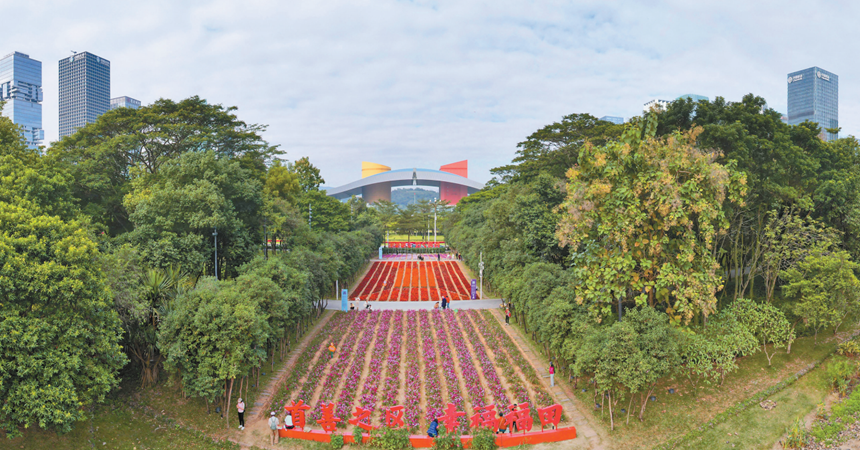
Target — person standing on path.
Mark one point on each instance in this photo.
(507, 315)
(240, 406)
(551, 374)
(273, 425)
(331, 349)
(444, 302)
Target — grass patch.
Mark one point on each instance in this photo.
(117, 425)
(755, 427)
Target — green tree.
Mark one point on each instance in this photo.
(326, 213)
(101, 155)
(176, 211)
(388, 213)
(825, 288)
(309, 176)
(631, 355)
(767, 323)
(642, 217)
(59, 333)
(213, 335)
(555, 148)
(282, 183)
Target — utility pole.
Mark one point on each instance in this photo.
(215, 235)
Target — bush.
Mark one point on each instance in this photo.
(484, 439)
(797, 436)
(848, 348)
(839, 374)
(357, 434)
(390, 438)
(336, 441)
(447, 440)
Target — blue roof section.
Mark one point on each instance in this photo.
(411, 170)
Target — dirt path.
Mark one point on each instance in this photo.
(256, 427)
(563, 393)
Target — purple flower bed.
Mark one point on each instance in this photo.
(432, 382)
(377, 359)
(338, 367)
(413, 372)
(352, 377)
(470, 373)
(450, 371)
(339, 324)
(391, 385)
(500, 397)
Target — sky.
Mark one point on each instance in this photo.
(426, 83)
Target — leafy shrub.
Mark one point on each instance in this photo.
(797, 436)
(826, 432)
(336, 441)
(484, 439)
(447, 440)
(839, 374)
(390, 438)
(357, 434)
(848, 348)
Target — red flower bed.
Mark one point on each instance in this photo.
(412, 281)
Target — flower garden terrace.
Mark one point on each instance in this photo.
(413, 281)
(419, 361)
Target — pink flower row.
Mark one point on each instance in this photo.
(353, 376)
(432, 383)
(413, 371)
(449, 370)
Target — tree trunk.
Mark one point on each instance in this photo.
(229, 394)
(611, 418)
(645, 402)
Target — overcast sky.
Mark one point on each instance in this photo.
(425, 83)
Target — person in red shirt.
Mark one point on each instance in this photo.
(551, 374)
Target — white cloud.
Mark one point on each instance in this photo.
(421, 84)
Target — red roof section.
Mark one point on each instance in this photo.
(458, 168)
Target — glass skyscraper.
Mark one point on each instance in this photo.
(21, 89)
(124, 102)
(813, 94)
(84, 90)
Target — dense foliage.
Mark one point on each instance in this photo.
(738, 229)
(108, 256)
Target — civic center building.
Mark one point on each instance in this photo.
(377, 180)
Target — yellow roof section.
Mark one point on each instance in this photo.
(369, 169)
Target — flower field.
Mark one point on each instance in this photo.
(419, 360)
(412, 281)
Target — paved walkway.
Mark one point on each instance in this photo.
(562, 393)
(395, 305)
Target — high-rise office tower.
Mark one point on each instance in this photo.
(84, 90)
(813, 94)
(124, 102)
(21, 89)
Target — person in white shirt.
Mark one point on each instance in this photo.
(273, 425)
(288, 421)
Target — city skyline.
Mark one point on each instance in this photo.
(84, 91)
(397, 82)
(813, 94)
(21, 90)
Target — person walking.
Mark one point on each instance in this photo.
(444, 302)
(507, 315)
(433, 431)
(273, 425)
(364, 304)
(551, 374)
(240, 406)
(331, 350)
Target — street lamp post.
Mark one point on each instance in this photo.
(481, 274)
(265, 241)
(434, 220)
(215, 235)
